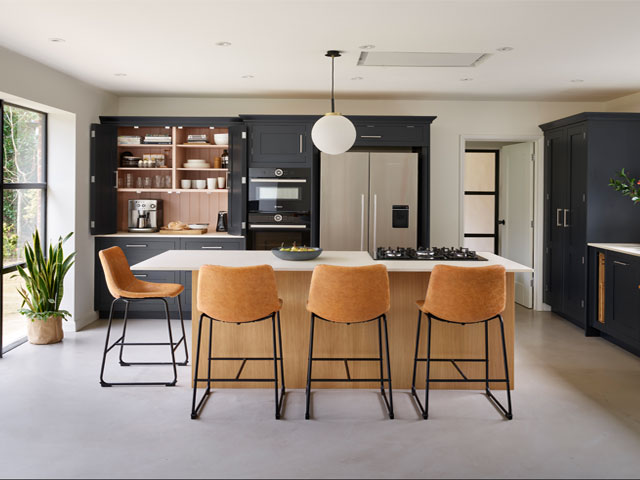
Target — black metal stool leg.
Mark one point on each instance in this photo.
(173, 354)
(415, 357)
(184, 335)
(281, 358)
(106, 345)
(509, 414)
(486, 355)
(425, 413)
(308, 391)
(275, 365)
(380, 355)
(194, 409)
(386, 337)
(124, 333)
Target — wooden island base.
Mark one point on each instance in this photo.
(336, 340)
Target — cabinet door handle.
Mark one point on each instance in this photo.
(215, 247)
(136, 246)
(566, 210)
(300, 143)
(558, 223)
(621, 263)
(370, 136)
(140, 275)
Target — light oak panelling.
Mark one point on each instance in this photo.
(354, 340)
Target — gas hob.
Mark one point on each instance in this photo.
(432, 253)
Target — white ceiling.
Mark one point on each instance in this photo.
(169, 47)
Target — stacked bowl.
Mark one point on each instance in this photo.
(195, 163)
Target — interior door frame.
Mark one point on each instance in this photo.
(538, 201)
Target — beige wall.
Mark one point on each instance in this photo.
(455, 118)
(72, 106)
(630, 103)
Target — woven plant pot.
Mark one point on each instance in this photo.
(44, 332)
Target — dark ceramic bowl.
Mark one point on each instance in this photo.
(296, 256)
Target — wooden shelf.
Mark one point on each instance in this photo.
(203, 145)
(144, 145)
(172, 190)
(204, 169)
(158, 169)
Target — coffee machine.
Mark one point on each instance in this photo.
(145, 216)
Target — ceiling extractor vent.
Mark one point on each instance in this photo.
(420, 59)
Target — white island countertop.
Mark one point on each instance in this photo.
(628, 248)
(189, 260)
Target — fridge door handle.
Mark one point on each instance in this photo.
(375, 222)
(362, 222)
(558, 222)
(565, 224)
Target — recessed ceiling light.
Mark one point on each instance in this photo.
(466, 79)
(576, 80)
(57, 40)
(366, 47)
(247, 76)
(357, 78)
(120, 74)
(223, 44)
(504, 49)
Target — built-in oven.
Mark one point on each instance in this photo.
(279, 190)
(271, 230)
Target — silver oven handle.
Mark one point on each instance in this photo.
(278, 180)
(375, 222)
(214, 247)
(362, 222)
(277, 226)
(136, 246)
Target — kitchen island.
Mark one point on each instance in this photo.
(408, 283)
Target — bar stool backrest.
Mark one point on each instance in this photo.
(116, 271)
(349, 294)
(237, 294)
(466, 294)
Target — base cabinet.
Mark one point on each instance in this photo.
(616, 311)
(137, 249)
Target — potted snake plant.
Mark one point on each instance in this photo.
(43, 276)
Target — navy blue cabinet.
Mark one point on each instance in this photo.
(581, 153)
(280, 144)
(403, 135)
(616, 306)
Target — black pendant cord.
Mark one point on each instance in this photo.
(333, 103)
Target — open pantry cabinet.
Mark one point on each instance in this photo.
(162, 169)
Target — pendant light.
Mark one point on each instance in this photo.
(333, 133)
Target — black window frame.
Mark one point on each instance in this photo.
(21, 186)
(495, 193)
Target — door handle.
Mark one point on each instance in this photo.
(502, 222)
(140, 275)
(558, 223)
(565, 224)
(375, 222)
(370, 136)
(216, 247)
(136, 246)
(621, 263)
(362, 222)
(300, 143)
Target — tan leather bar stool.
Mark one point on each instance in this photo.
(349, 295)
(463, 295)
(125, 287)
(238, 295)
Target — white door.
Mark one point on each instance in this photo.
(515, 207)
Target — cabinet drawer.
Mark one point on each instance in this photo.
(138, 249)
(398, 135)
(210, 244)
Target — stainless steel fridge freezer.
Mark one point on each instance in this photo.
(368, 200)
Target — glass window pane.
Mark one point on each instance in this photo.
(480, 171)
(24, 145)
(14, 325)
(479, 244)
(479, 214)
(22, 214)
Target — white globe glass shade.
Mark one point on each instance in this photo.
(333, 134)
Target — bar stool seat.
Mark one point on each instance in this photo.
(125, 287)
(238, 295)
(348, 295)
(463, 295)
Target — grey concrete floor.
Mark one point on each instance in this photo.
(576, 406)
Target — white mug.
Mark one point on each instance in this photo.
(211, 183)
(221, 181)
(185, 183)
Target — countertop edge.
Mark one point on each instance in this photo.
(626, 248)
(218, 235)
